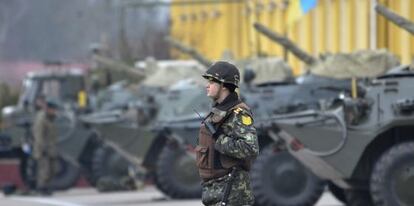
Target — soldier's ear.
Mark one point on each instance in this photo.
(225, 88)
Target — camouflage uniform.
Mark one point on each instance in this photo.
(237, 139)
(44, 149)
(227, 143)
(240, 193)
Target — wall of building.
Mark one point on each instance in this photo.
(214, 27)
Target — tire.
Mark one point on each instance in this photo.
(86, 159)
(338, 192)
(279, 179)
(106, 162)
(159, 186)
(65, 177)
(393, 175)
(177, 174)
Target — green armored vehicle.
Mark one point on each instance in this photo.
(277, 178)
(362, 145)
(127, 132)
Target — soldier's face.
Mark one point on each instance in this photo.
(51, 112)
(213, 89)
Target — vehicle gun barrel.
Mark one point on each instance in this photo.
(188, 50)
(395, 18)
(286, 43)
(118, 65)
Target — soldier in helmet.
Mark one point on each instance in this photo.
(227, 141)
(44, 146)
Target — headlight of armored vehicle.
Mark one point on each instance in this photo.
(6, 114)
(356, 110)
(404, 106)
(7, 111)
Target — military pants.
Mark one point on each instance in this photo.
(240, 193)
(45, 170)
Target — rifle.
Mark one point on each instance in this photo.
(209, 126)
(227, 189)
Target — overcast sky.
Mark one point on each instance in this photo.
(65, 30)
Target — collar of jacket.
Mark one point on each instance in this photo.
(230, 101)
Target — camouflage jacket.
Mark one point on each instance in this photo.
(238, 138)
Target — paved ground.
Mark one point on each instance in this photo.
(89, 197)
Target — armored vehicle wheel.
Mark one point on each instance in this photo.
(279, 179)
(106, 162)
(86, 159)
(66, 175)
(159, 186)
(392, 178)
(177, 174)
(338, 192)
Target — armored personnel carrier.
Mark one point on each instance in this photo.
(173, 87)
(361, 145)
(277, 178)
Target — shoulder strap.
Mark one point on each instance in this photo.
(233, 109)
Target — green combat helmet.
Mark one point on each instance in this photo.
(224, 73)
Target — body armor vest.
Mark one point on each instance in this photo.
(211, 163)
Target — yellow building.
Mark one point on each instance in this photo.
(216, 27)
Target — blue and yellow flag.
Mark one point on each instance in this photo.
(298, 8)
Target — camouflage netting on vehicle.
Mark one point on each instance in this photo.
(267, 69)
(170, 72)
(117, 70)
(363, 63)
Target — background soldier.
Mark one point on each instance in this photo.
(227, 141)
(44, 146)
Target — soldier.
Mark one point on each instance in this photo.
(227, 141)
(44, 146)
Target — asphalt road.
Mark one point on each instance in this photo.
(90, 197)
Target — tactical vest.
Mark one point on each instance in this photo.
(211, 163)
